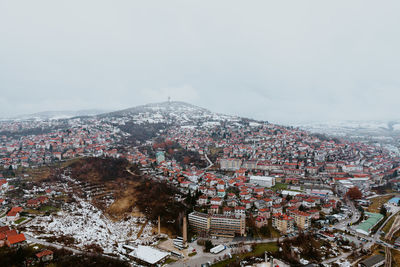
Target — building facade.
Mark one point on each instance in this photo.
(217, 225)
(283, 223)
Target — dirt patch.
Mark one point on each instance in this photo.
(125, 203)
(164, 230)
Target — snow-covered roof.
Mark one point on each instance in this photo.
(292, 193)
(148, 254)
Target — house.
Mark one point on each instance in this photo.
(45, 255)
(216, 201)
(228, 211)
(211, 192)
(294, 203)
(232, 203)
(261, 221)
(283, 223)
(12, 216)
(43, 199)
(213, 209)
(203, 200)
(276, 208)
(16, 240)
(314, 214)
(259, 191)
(265, 212)
(221, 185)
(327, 208)
(231, 195)
(309, 202)
(11, 232)
(268, 202)
(33, 203)
(302, 219)
(240, 212)
(259, 204)
(221, 193)
(246, 203)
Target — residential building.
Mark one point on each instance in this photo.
(217, 225)
(283, 223)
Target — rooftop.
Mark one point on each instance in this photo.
(149, 254)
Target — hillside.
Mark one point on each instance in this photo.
(133, 194)
(171, 113)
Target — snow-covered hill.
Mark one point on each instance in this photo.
(57, 115)
(387, 131)
(169, 112)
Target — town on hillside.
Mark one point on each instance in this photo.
(194, 188)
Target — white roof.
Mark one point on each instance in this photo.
(292, 193)
(148, 254)
(217, 249)
(265, 178)
(345, 182)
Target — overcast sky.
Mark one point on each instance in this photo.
(282, 61)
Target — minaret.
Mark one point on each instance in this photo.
(184, 231)
(159, 225)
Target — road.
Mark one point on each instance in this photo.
(342, 225)
(369, 240)
(209, 162)
(395, 212)
(45, 243)
(388, 257)
(202, 257)
(395, 226)
(73, 250)
(340, 257)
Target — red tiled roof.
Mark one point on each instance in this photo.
(44, 253)
(11, 232)
(16, 239)
(301, 213)
(16, 209)
(4, 229)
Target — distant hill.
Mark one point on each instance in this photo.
(56, 115)
(376, 129)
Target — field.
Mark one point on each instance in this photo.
(48, 209)
(279, 186)
(20, 220)
(377, 202)
(272, 247)
(389, 224)
(395, 257)
(43, 172)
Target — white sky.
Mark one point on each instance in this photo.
(282, 61)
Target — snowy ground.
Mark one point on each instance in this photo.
(87, 225)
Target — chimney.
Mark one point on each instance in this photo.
(159, 225)
(184, 230)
